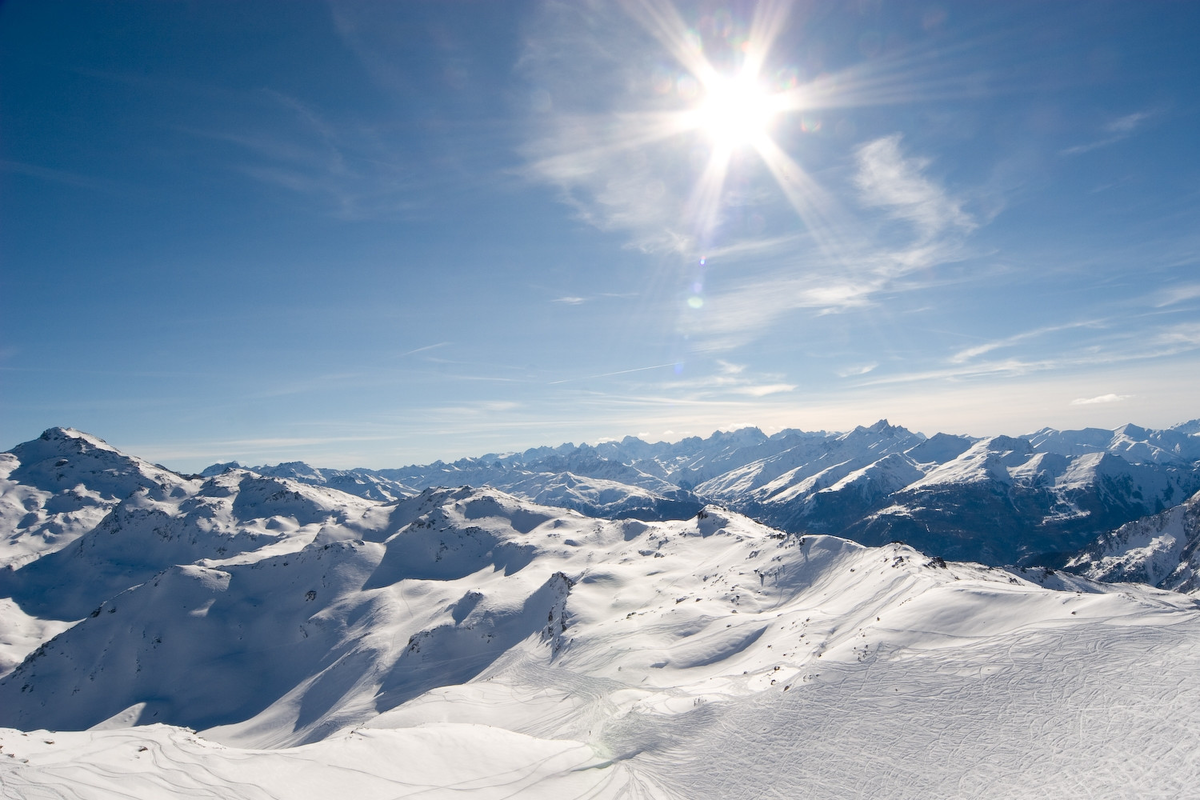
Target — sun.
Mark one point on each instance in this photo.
(736, 112)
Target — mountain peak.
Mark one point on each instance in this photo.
(747, 434)
(1135, 432)
(63, 443)
(58, 434)
(216, 469)
(880, 428)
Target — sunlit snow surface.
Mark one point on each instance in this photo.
(700, 659)
(467, 643)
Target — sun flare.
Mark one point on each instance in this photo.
(736, 112)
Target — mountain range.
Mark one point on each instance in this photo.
(250, 632)
(1026, 500)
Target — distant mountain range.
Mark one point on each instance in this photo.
(1002, 500)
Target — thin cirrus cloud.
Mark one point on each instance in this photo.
(347, 171)
(857, 370)
(615, 174)
(729, 380)
(764, 389)
(55, 175)
(971, 353)
(1111, 348)
(576, 300)
(849, 273)
(1115, 131)
(1177, 294)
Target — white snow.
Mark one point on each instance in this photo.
(465, 642)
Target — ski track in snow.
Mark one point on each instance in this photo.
(1102, 711)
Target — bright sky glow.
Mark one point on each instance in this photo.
(372, 234)
(736, 112)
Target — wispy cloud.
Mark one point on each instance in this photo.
(53, 175)
(970, 353)
(478, 408)
(618, 176)
(1127, 124)
(856, 370)
(575, 300)
(889, 179)
(611, 374)
(1123, 346)
(1104, 398)
(728, 381)
(1177, 338)
(1115, 131)
(347, 169)
(764, 390)
(1177, 294)
(850, 269)
(424, 349)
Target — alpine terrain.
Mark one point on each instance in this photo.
(797, 615)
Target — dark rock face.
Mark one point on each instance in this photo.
(1162, 550)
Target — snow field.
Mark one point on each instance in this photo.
(466, 642)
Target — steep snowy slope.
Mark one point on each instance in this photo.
(1162, 550)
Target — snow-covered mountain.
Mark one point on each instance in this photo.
(584, 482)
(1162, 550)
(466, 641)
(60, 485)
(469, 641)
(363, 483)
(151, 529)
(1178, 445)
(1000, 500)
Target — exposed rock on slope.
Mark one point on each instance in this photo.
(1162, 550)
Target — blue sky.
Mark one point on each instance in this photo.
(373, 234)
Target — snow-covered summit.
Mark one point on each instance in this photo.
(58, 486)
